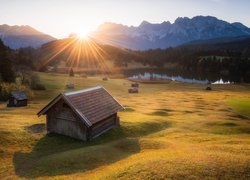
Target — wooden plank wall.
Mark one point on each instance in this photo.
(62, 120)
(100, 127)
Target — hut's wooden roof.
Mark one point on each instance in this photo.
(19, 95)
(91, 105)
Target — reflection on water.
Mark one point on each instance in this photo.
(153, 76)
(222, 82)
(182, 76)
(173, 78)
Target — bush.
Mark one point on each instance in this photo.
(7, 88)
(39, 86)
(35, 83)
(71, 73)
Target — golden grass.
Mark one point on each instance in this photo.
(174, 130)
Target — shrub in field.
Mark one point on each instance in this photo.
(7, 88)
(71, 73)
(40, 86)
(35, 83)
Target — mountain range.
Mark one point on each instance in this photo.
(90, 54)
(23, 36)
(166, 34)
(143, 37)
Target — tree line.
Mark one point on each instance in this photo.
(208, 60)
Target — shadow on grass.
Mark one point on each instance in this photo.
(60, 155)
(36, 128)
(133, 130)
(230, 124)
(231, 130)
(57, 155)
(239, 116)
(228, 128)
(128, 109)
(161, 112)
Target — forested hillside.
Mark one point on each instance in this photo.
(224, 56)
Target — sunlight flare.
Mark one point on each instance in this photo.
(83, 33)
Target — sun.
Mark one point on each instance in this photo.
(82, 34)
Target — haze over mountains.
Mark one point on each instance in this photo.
(23, 36)
(145, 36)
(164, 35)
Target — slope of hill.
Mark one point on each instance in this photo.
(158, 138)
(72, 52)
(23, 36)
(240, 43)
(89, 54)
(147, 35)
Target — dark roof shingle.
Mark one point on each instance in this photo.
(19, 95)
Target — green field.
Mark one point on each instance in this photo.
(174, 130)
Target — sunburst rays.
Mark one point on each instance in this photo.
(77, 53)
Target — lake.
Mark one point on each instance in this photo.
(185, 76)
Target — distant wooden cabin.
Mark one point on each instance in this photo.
(17, 99)
(83, 114)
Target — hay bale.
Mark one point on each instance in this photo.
(209, 88)
(133, 90)
(135, 85)
(70, 86)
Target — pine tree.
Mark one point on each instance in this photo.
(6, 70)
(71, 73)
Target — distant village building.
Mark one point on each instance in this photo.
(83, 114)
(17, 99)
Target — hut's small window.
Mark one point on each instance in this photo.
(65, 105)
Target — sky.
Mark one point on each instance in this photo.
(59, 18)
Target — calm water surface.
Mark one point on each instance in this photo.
(185, 76)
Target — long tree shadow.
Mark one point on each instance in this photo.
(60, 155)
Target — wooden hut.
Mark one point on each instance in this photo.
(17, 99)
(83, 114)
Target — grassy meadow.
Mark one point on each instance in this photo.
(174, 130)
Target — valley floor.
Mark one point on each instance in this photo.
(174, 130)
